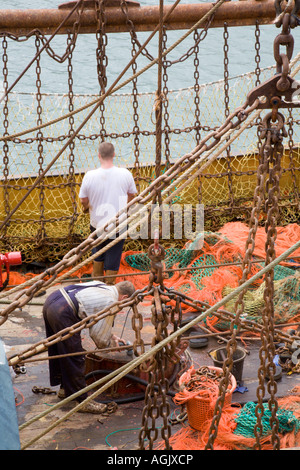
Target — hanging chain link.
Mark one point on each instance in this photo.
(102, 60)
(227, 111)
(41, 235)
(165, 94)
(71, 172)
(163, 316)
(135, 103)
(266, 197)
(134, 38)
(271, 154)
(5, 126)
(156, 402)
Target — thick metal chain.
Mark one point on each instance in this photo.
(41, 235)
(265, 197)
(5, 126)
(135, 103)
(264, 184)
(182, 165)
(165, 92)
(271, 151)
(199, 38)
(156, 403)
(226, 103)
(163, 315)
(102, 60)
(129, 22)
(197, 86)
(71, 172)
(137, 326)
(46, 42)
(257, 54)
(273, 131)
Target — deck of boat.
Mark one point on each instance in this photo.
(118, 430)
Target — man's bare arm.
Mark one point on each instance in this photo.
(130, 197)
(85, 204)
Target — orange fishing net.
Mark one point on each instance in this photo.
(228, 246)
(199, 390)
(232, 436)
(197, 273)
(287, 236)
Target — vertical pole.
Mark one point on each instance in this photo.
(158, 105)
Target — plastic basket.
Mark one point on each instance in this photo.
(201, 409)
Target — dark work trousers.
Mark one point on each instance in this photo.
(68, 371)
(112, 257)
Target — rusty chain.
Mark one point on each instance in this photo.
(130, 24)
(71, 172)
(102, 59)
(156, 404)
(183, 164)
(5, 126)
(265, 198)
(136, 130)
(78, 9)
(41, 232)
(227, 111)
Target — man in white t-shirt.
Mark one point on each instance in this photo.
(104, 192)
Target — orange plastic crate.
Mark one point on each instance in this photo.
(201, 409)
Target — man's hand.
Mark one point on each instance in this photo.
(115, 341)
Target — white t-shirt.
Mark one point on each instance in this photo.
(107, 191)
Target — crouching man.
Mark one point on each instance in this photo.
(66, 307)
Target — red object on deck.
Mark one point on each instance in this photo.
(9, 259)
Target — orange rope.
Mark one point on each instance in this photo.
(188, 438)
(226, 246)
(238, 232)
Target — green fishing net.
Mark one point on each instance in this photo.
(246, 421)
(286, 280)
(286, 298)
(173, 256)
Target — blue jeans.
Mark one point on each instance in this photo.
(111, 257)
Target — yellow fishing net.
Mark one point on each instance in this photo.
(49, 221)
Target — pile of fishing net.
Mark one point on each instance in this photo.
(197, 272)
(235, 430)
(286, 300)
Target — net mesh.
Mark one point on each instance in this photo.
(236, 428)
(49, 222)
(246, 421)
(214, 270)
(208, 280)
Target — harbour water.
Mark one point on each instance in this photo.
(241, 55)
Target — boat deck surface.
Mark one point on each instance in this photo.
(118, 430)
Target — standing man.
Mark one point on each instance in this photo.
(104, 192)
(64, 308)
